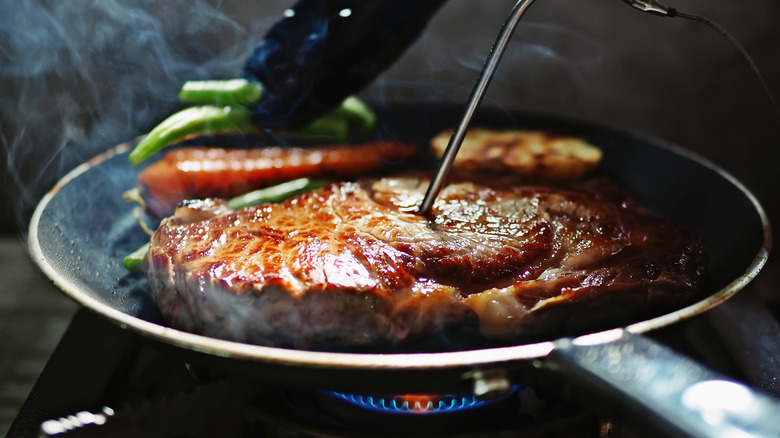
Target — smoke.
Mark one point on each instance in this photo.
(77, 78)
(546, 65)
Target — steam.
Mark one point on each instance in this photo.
(77, 78)
(545, 65)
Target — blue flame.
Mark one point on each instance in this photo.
(411, 404)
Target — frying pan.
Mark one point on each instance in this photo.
(82, 229)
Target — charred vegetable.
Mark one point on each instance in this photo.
(211, 172)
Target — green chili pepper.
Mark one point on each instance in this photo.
(355, 109)
(134, 262)
(222, 92)
(332, 127)
(274, 194)
(335, 126)
(194, 120)
(229, 113)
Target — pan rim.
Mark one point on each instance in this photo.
(394, 361)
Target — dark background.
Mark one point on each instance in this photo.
(79, 77)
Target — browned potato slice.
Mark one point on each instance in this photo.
(535, 154)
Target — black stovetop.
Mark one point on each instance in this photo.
(98, 368)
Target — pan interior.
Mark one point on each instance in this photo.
(83, 228)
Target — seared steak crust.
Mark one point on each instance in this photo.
(352, 265)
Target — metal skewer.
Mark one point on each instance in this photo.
(476, 97)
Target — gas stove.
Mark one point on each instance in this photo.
(117, 384)
(103, 374)
(105, 381)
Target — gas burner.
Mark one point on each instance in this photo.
(414, 403)
(333, 413)
(154, 393)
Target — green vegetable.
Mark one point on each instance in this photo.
(335, 126)
(228, 112)
(194, 120)
(134, 261)
(275, 194)
(328, 128)
(222, 92)
(354, 109)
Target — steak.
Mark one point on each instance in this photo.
(352, 265)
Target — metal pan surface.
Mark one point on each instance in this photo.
(82, 229)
